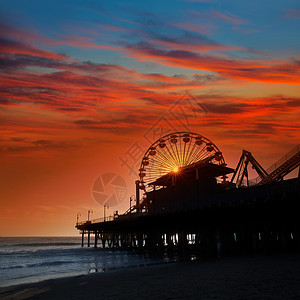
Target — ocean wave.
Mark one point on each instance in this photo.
(14, 252)
(35, 265)
(46, 244)
(39, 251)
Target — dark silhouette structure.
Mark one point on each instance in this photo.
(191, 210)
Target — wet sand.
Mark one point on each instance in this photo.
(259, 277)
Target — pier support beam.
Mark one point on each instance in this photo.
(103, 240)
(82, 239)
(89, 233)
(96, 238)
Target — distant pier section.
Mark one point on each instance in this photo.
(186, 207)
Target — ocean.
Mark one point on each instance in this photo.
(32, 259)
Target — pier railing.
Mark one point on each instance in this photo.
(111, 218)
(98, 220)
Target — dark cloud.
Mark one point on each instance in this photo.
(226, 108)
(207, 78)
(24, 146)
(5, 102)
(70, 109)
(252, 131)
(17, 139)
(42, 143)
(184, 40)
(20, 61)
(86, 122)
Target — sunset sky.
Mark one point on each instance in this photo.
(87, 86)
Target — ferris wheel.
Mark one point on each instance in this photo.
(174, 151)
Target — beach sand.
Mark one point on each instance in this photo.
(257, 277)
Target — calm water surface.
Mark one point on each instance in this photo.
(32, 259)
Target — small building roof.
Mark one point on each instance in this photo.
(205, 170)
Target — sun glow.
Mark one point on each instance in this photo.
(175, 169)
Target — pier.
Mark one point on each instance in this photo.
(190, 210)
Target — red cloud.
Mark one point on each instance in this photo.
(242, 69)
(292, 14)
(225, 17)
(228, 17)
(14, 47)
(202, 29)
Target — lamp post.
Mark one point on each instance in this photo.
(105, 206)
(137, 197)
(132, 198)
(90, 211)
(78, 215)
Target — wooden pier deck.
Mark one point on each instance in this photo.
(259, 218)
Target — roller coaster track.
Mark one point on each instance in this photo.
(241, 170)
(284, 166)
(276, 172)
